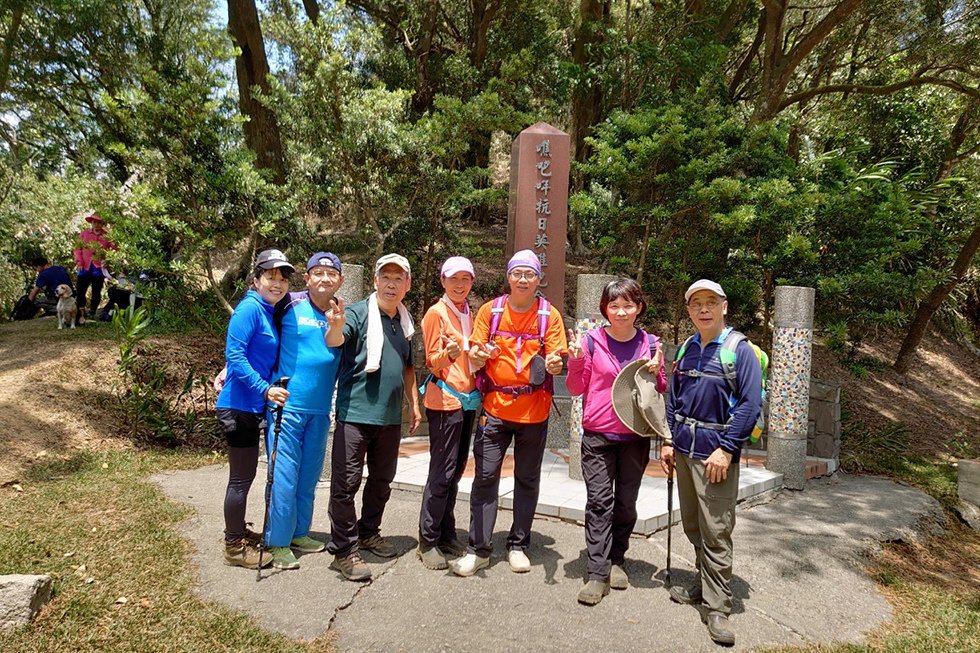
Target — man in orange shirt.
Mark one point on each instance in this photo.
(451, 402)
(519, 340)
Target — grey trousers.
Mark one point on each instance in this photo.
(351, 444)
(708, 516)
(489, 449)
(613, 472)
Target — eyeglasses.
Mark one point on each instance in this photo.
(697, 306)
(327, 273)
(530, 275)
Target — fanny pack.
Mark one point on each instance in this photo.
(469, 400)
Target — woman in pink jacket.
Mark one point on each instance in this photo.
(90, 248)
(613, 457)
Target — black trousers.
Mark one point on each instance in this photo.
(450, 434)
(84, 282)
(489, 449)
(613, 472)
(352, 443)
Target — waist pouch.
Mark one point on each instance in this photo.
(469, 400)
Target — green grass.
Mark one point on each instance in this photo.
(100, 509)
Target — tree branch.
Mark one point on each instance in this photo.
(820, 31)
(877, 90)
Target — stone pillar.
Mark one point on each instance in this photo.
(352, 291)
(587, 317)
(789, 384)
(353, 288)
(537, 216)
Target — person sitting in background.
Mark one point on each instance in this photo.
(49, 277)
(122, 294)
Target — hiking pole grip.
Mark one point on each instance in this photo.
(270, 471)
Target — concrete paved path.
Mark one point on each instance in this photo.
(798, 578)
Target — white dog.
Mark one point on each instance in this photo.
(67, 308)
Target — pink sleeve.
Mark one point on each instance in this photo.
(579, 373)
(661, 373)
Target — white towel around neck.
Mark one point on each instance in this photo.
(375, 334)
(466, 324)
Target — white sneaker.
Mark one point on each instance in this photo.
(469, 564)
(519, 563)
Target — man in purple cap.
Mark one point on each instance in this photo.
(518, 340)
(451, 402)
(311, 325)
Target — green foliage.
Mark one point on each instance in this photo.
(150, 410)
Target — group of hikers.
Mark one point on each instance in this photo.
(287, 353)
(91, 273)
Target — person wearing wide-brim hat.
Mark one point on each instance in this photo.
(709, 424)
(250, 354)
(615, 447)
(90, 248)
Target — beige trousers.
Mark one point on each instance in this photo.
(708, 516)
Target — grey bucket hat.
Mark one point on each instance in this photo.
(637, 403)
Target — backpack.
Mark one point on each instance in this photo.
(726, 357)
(24, 309)
(539, 378)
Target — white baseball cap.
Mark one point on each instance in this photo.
(704, 284)
(393, 259)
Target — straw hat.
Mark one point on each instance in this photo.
(637, 403)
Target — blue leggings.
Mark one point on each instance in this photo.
(299, 461)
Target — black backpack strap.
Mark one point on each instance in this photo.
(590, 343)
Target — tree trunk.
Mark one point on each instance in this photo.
(779, 66)
(587, 95)
(312, 10)
(422, 100)
(935, 299)
(252, 69)
(8, 43)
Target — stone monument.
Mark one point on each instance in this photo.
(789, 384)
(538, 212)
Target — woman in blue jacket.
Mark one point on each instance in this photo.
(250, 354)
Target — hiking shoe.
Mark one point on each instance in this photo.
(307, 544)
(518, 561)
(686, 596)
(352, 566)
(593, 591)
(378, 546)
(431, 557)
(242, 553)
(453, 548)
(719, 629)
(618, 580)
(252, 536)
(283, 558)
(469, 564)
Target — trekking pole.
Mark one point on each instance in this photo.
(670, 520)
(270, 473)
